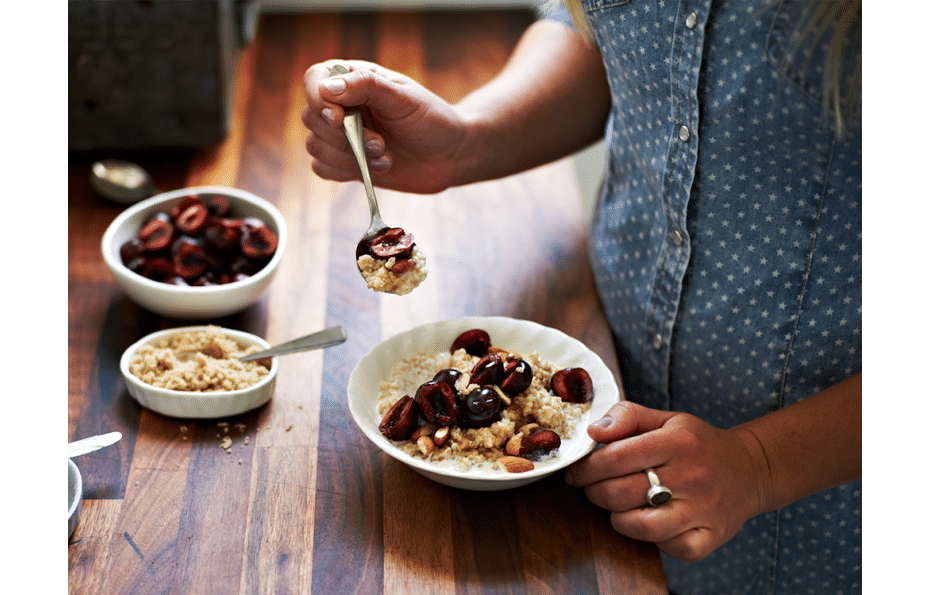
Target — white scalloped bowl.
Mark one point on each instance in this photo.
(512, 334)
(199, 405)
(192, 303)
(75, 496)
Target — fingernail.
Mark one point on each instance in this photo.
(380, 164)
(568, 479)
(329, 115)
(336, 86)
(603, 422)
(373, 148)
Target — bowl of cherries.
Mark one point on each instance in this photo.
(196, 253)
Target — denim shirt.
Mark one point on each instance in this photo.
(727, 253)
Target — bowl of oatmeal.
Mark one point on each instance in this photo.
(473, 445)
(194, 372)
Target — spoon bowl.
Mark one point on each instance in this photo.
(121, 181)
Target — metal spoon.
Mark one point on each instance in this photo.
(86, 445)
(352, 126)
(319, 340)
(121, 181)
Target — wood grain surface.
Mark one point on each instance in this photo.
(303, 503)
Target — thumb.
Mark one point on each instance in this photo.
(387, 94)
(627, 419)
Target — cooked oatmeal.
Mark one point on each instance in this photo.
(198, 361)
(470, 447)
(377, 272)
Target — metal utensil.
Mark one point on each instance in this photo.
(352, 126)
(121, 181)
(319, 340)
(86, 445)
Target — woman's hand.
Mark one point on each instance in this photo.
(412, 137)
(717, 477)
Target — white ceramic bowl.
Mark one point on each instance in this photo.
(192, 303)
(75, 496)
(508, 333)
(204, 405)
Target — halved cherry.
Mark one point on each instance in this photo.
(539, 444)
(402, 265)
(183, 204)
(131, 250)
(192, 220)
(518, 375)
(573, 385)
(393, 242)
(221, 238)
(190, 261)
(157, 233)
(158, 268)
(400, 420)
(244, 265)
(217, 206)
(489, 370)
(475, 342)
(436, 402)
(258, 242)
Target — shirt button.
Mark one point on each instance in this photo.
(691, 20)
(657, 342)
(678, 238)
(683, 133)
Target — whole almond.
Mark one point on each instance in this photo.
(515, 464)
(513, 445)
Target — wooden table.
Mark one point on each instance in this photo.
(303, 503)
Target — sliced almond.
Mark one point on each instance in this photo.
(513, 445)
(426, 429)
(504, 397)
(529, 429)
(515, 464)
(441, 435)
(426, 445)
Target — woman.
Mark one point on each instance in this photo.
(726, 249)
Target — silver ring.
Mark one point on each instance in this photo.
(658, 494)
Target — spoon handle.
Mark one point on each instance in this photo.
(86, 445)
(352, 126)
(319, 340)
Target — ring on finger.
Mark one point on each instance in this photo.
(658, 494)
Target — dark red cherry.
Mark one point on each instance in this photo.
(518, 375)
(192, 220)
(489, 370)
(183, 204)
(190, 261)
(436, 402)
(220, 238)
(475, 342)
(480, 408)
(258, 242)
(400, 420)
(217, 206)
(131, 250)
(157, 233)
(573, 385)
(449, 375)
(393, 242)
(539, 444)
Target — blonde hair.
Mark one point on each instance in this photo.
(842, 98)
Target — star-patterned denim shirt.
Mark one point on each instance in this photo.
(727, 250)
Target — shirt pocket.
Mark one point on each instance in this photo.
(803, 64)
